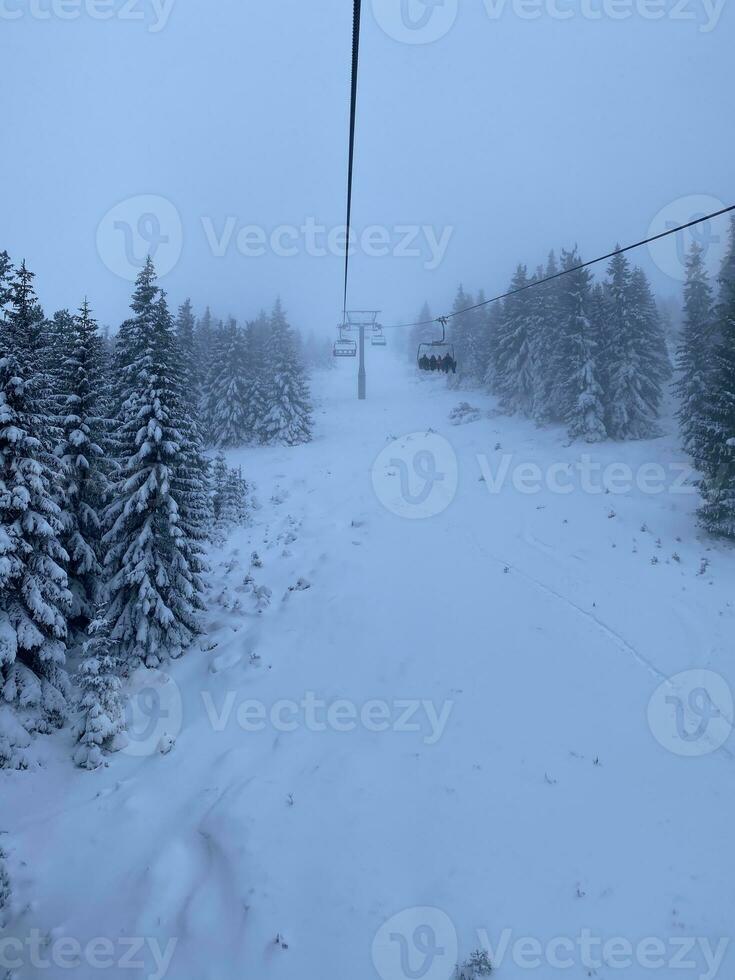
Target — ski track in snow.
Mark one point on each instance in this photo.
(546, 806)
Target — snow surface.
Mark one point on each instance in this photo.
(546, 805)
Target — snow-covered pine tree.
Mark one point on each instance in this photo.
(191, 482)
(481, 339)
(516, 370)
(288, 417)
(231, 495)
(34, 594)
(256, 381)
(25, 324)
(84, 468)
(153, 585)
(600, 331)
(695, 358)
(547, 401)
(634, 364)
(651, 343)
(578, 392)
(101, 704)
(226, 400)
(59, 332)
(204, 339)
(494, 326)
(192, 378)
(717, 452)
(462, 334)
(219, 473)
(6, 276)
(24, 334)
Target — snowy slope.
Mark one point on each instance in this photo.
(545, 802)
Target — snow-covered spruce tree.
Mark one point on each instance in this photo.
(24, 319)
(192, 479)
(288, 417)
(633, 360)
(203, 341)
(226, 401)
(463, 331)
(231, 494)
(257, 386)
(695, 357)
(192, 376)
(101, 704)
(516, 354)
(548, 401)
(59, 332)
(651, 342)
(715, 446)
(84, 481)
(153, 585)
(579, 392)
(34, 594)
(494, 326)
(482, 338)
(6, 276)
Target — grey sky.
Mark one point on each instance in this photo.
(517, 134)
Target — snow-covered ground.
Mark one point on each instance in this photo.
(492, 752)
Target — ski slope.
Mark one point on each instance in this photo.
(510, 644)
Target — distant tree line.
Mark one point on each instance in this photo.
(594, 356)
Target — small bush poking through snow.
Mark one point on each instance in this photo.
(4, 891)
(478, 965)
(464, 413)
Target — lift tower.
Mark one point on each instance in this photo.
(358, 321)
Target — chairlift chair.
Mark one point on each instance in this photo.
(345, 348)
(436, 349)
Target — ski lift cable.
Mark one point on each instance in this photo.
(353, 117)
(443, 320)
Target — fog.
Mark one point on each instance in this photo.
(521, 127)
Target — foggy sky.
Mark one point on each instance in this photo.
(516, 135)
